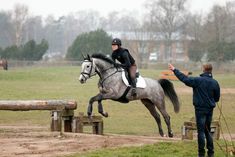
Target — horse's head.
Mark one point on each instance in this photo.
(88, 69)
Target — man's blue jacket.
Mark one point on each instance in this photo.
(206, 90)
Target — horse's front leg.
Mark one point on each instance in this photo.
(100, 109)
(98, 98)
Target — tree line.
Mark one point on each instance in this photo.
(210, 35)
(28, 51)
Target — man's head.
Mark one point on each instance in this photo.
(207, 68)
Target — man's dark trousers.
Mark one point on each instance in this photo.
(203, 120)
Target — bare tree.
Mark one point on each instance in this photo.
(33, 29)
(168, 18)
(218, 33)
(6, 29)
(194, 27)
(20, 14)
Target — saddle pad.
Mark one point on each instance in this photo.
(139, 84)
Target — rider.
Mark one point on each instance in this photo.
(127, 61)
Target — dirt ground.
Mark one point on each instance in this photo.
(33, 142)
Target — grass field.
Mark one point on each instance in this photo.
(163, 149)
(132, 118)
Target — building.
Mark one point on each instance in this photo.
(144, 44)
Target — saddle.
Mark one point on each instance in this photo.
(140, 82)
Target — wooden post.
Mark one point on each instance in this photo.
(189, 127)
(56, 122)
(67, 116)
(96, 122)
(215, 130)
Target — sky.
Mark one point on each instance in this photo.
(64, 7)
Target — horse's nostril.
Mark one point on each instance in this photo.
(82, 80)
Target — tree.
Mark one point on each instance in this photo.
(88, 43)
(41, 49)
(10, 52)
(6, 29)
(29, 51)
(33, 29)
(194, 29)
(33, 51)
(20, 14)
(222, 51)
(218, 34)
(196, 50)
(168, 18)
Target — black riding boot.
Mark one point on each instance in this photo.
(133, 84)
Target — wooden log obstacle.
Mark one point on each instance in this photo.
(62, 114)
(95, 121)
(190, 126)
(62, 111)
(169, 75)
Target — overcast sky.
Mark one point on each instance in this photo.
(64, 7)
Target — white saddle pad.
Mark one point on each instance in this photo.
(140, 81)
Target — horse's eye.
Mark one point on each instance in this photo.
(88, 66)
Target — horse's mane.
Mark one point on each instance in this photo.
(104, 58)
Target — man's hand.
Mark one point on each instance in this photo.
(171, 67)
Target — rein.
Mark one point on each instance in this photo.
(89, 74)
(104, 79)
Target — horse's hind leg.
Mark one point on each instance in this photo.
(166, 116)
(150, 106)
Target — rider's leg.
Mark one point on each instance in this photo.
(132, 73)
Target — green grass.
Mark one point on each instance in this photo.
(162, 149)
(132, 118)
(62, 83)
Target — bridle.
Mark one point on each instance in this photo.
(89, 74)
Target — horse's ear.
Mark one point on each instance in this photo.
(83, 56)
(88, 56)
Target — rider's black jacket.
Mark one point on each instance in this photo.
(124, 57)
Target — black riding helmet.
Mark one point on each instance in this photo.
(117, 41)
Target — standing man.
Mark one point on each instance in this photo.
(127, 62)
(206, 92)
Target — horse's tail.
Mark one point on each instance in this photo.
(170, 93)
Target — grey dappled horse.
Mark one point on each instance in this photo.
(112, 87)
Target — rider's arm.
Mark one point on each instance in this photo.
(127, 63)
(113, 57)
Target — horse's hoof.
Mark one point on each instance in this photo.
(161, 134)
(105, 114)
(89, 114)
(170, 134)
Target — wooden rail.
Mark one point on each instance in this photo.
(62, 112)
(25, 105)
